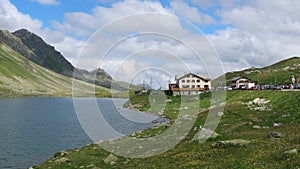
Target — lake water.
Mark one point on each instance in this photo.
(33, 129)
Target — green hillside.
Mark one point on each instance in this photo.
(21, 77)
(244, 140)
(278, 73)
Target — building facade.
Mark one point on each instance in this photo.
(190, 84)
(241, 83)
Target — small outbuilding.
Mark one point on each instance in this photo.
(241, 82)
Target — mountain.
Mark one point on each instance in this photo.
(21, 77)
(278, 73)
(47, 56)
(17, 44)
(38, 51)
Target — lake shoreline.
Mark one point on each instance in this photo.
(161, 122)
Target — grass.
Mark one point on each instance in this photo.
(262, 152)
(20, 77)
(278, 73)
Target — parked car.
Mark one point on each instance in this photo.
(227, 88)
(286, 87)
(296, 86)
(276, 87)
(268, 87)
(243, 87)
(254, 88)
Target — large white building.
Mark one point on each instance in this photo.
(190, 84)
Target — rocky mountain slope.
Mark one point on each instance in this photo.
(47, 56)
(21, 77)
(38, 51)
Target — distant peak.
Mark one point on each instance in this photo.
(23, 30)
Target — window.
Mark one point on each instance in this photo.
(206, 81)
(198, 81)
(188, 81)
(198, 86)
(193, 86)
(185, 86)
(193, 81)
(183, 81)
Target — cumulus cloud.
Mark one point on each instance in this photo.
(260, 32)
(12, 19)
(47, 2)
(83, 24)
(192, 14)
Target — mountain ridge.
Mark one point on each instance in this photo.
(21, 77)
(38, 51)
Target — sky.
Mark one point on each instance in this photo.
(134, 40)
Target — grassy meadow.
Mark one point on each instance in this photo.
(237, 122)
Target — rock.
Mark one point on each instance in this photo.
(293, 151)
(95, 168)
(220, 114)
(276, 124)
(250, 123)
(240, 142)
(260, 102)
(259, 108)
(274, 135)
(187, 117)
(155, 121)
(204, 134)
(168, 100)
(62, 160)
(111, 159)
(61, 154)
(256, 127)
(90, 166)
(286, 115)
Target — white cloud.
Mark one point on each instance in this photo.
(262, 33)
(47, 2)
(83, 24)
(192, 14)
(11, 19)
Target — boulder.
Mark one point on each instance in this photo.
(61, 154)
(204, 134)
(220, 114)
(62, 160)
(274, 135)
(111, 159)
(239, 142)
(260, 102)
(276, 124)
(256, 127)
(168, 100)
(293, 151)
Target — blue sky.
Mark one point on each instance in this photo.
(48, 13)
(243, 33)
